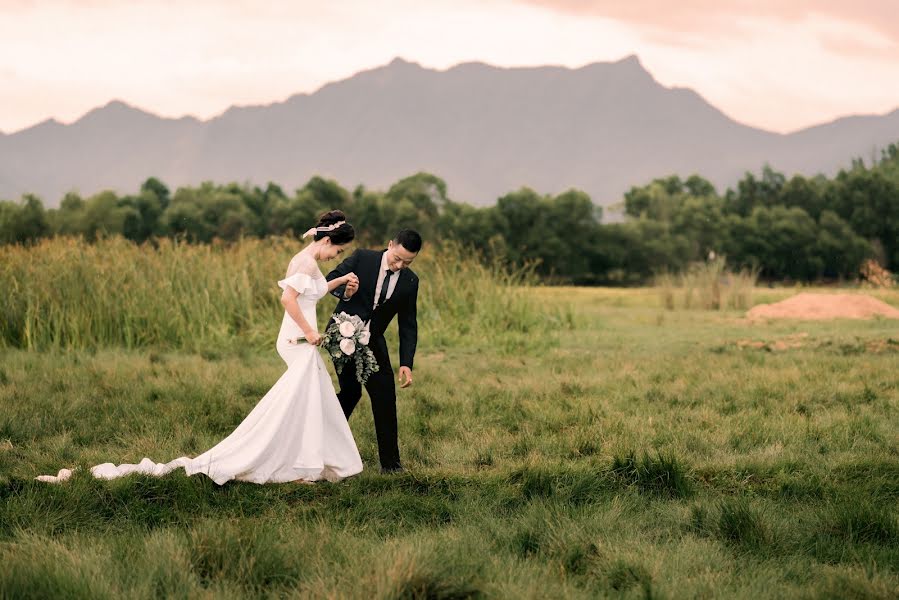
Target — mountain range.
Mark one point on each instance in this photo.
(485, 130)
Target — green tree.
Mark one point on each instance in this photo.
(752, 192)
(474, 227)
(416, 203)
(657, 201)
(144, 220)
(700, 220)
(521, 222)
(803, 193)
(327, 194)
(296, 214)
(68, 219)
(264, 204)
(158, 189)
(634, 251)
(781, 241)
(698, 186)
(23, 222)
(839, 247)
(105, 214)
(208, 212)
(869, 201)
(571, 221)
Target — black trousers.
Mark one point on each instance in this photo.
(382, 391)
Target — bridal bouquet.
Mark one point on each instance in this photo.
(346, 340)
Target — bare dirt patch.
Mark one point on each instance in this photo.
(790, 342)
(809, 306)
(845, 346)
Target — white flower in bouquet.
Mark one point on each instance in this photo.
(346, 340)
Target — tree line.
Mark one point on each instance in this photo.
(801, 228)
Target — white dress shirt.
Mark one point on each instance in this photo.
(381, 274)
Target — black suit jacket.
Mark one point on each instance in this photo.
(403, 303)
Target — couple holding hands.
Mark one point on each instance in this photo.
(299, 430)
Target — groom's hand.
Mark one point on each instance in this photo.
(352, 284)
(405, 377)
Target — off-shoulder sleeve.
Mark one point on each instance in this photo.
(301, 273)
(301, 282)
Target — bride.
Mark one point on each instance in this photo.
(297, 432)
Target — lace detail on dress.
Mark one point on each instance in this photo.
(304, 263)
(302, 274)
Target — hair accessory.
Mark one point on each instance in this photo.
(331, 227)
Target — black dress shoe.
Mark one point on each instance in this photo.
(392, 470)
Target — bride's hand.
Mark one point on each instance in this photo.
(314, 338)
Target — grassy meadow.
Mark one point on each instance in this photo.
(559, 442)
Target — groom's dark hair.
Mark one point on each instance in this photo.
(408, 239)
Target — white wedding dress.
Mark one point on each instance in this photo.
(297, 432)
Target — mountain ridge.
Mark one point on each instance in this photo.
(486, 130)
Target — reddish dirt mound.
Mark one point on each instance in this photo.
(825, 306)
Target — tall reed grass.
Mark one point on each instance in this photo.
(65, 293)
(469, 297)
(708, 286)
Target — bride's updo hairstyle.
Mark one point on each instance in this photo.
(342, 234)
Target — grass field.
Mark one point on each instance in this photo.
(608, 448)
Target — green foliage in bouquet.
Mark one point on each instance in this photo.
(346, 340)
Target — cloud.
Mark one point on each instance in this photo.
(760, 63)
(200, 57)
(778, 65)
(722, 16)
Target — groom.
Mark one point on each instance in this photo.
(385, 287)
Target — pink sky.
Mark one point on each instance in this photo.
(776, 65)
